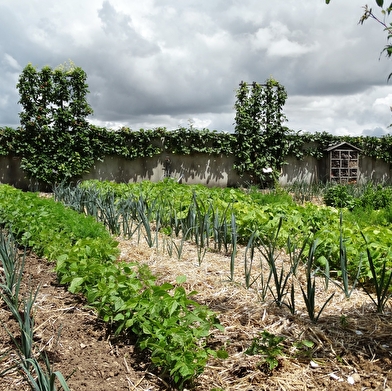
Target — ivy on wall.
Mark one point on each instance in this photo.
(148, 143)
(54, 141)
(315, 144)
(142, 143)
(261, 137)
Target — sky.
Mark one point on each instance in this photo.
(171, 63)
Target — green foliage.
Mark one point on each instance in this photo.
(12, 264)
(8, 143)
(172, 327)
(261, 138)
(185, 141)
(126, 143)
(269, 346)
(54, 139)
(382, 279)
(376, 197)
(339, 196)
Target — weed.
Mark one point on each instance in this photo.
(269, 346)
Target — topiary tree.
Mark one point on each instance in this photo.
(53, 141)
(261, 138)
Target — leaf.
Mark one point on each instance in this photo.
(181, 279)
(173, 307)
(307, 343)
(118, 317)
(222, 354)
(380, 3)
(75, 283)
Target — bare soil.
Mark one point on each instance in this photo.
(351, 343)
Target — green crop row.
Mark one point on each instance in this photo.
(326, 240)
(193, 209)
(166, 321)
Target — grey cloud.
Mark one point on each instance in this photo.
(118, 26)
(154, 62)
(376, 132)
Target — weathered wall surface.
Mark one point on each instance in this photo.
(11, 173)
(374, 170)
(191, 169)
(197, 169)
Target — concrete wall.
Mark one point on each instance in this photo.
(11, 173)
(373, 170)
(197, 169)
(308, 170)
(191, 169)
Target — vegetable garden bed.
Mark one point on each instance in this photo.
(349, 340)
(270, 343)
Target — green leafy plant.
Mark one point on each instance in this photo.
(339, 197)
(269, 346)
(53, 140)
(303, 349)
(259, 131)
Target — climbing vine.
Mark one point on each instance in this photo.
(142, 143)
(261, 137)
(54, 141)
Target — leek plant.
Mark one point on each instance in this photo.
(25, 319)
(234, 246)
(13, 266)
(309, 294)
(43, 379)
(248, 262)
(268, 248)
(109, 214)
(221, 230)
(382, 281)
(295, 253)
(200, 243)
(168, 246)
(263, 286)
(179, 247)
(143, 216)
(344, 265)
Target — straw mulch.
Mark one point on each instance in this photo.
(351, 343)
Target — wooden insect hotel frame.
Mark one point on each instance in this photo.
(343, 162)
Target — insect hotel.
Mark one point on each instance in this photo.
(343, 162)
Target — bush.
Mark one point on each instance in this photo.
(376, 197)
(339, 196)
